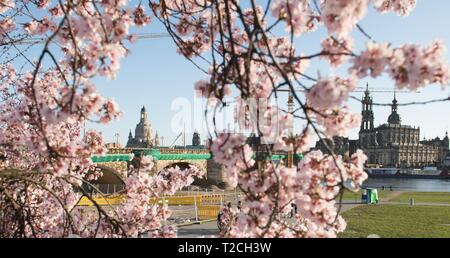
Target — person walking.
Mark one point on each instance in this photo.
(293, 210)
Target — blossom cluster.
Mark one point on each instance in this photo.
(410, 66)
(338, 121)
(138, 214)
(298, 15)
(330, 92)
(312, 186)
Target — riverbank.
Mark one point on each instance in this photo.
(398, 221)
(409, 176)
(409, 184)
(395, 217)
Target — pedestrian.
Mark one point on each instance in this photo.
(293, 209)
(239, 205)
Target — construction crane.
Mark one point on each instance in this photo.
(174, 141)
(178, 137)
(30, 41)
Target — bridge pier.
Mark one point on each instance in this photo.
(216, 175)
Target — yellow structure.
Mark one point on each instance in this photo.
(208, 211)
(208, 205)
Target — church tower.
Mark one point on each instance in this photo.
(142, 134)
(367, 132)
(367, 111)
(445, 141)
(143, 131)
(196, 139)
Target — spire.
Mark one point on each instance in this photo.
(394, 102)
(367, 92)
(446, 142)
(394, 117)
(130, 135)
(156, 139)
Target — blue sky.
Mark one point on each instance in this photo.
(154, 75)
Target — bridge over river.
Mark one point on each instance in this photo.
(116, 162)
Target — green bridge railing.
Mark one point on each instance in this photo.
(111, 158)
(157, 154)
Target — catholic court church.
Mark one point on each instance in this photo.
(391, 144)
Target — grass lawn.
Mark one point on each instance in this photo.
(348, 195)
(423, 197)
(397, 221)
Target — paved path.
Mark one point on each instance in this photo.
(418, 203)
(207, 229)
(391, 196)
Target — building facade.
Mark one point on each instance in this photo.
(391, 144)
(394, 144)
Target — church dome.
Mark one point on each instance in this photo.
(394, 118)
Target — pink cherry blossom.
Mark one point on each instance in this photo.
(410, 66)
(6, 5)
(297, 15)
(341, 16)
(373, 60)
(330, 92)
(413, 67)
(401, 7)
(337, 51)
(337, 122)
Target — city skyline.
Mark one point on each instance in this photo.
(161, 88)
(381, 113)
